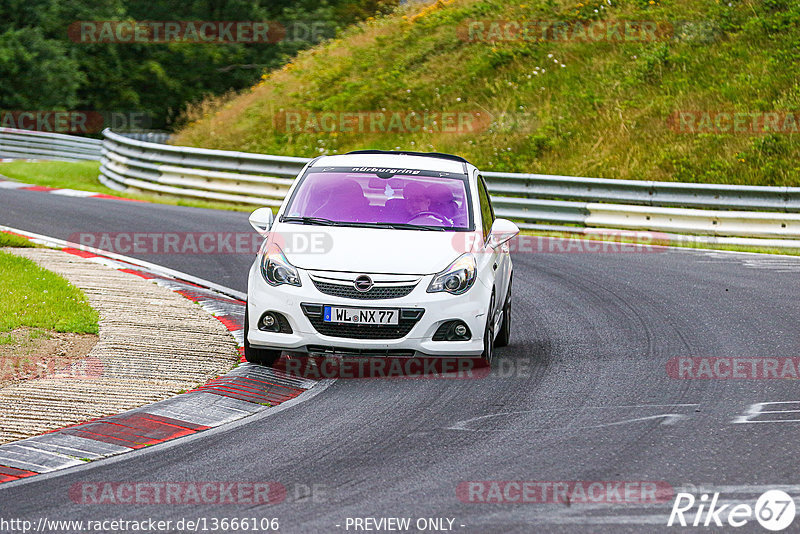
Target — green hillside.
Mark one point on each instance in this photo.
(562, 103)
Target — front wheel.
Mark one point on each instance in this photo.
(488, 336)
(264, 357)
(504, 335)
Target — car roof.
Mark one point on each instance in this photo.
(395, 160)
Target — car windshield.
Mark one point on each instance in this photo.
(424, 200)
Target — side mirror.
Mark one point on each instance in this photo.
(261, 220)
(502, 231)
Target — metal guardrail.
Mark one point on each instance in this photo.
(646, 193)
(151, 137)
(540, 201)
(535, 201)
(196, 172)
(28, 144)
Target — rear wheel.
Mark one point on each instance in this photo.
(258, 356)
(488, 336)
(504, 335)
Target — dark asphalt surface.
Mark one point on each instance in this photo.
(581, 393)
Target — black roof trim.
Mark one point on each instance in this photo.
(439, 155)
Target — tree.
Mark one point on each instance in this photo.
(42, 69)
(37, 73)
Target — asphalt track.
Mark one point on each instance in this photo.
(581, 394)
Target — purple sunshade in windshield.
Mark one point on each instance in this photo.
(368, 198)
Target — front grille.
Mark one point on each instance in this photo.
(363, 331)
(441, 332)
(375, 293)
(408, 318)
(318, 350)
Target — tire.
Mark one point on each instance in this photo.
(488, 336)
(264, 357)
(504, 335)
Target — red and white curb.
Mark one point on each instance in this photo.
(246, 390)
(7, 184)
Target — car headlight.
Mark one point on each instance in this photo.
(277, 270)
(457, 278)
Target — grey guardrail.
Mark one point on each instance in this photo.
(151, 137)
(535, 201)
(221, 175)
(28, 144)
(646, 193)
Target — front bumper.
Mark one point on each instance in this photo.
(437, 308)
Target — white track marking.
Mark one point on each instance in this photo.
(669, 419)
(755, 410)
(776, 263)
(73, 193)
(672, 418)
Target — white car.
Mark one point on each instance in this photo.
(377, 253)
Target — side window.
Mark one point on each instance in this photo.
(487, 213)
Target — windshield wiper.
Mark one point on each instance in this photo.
(395, 226)
(407, 226)
(328, 222)
(310, 220)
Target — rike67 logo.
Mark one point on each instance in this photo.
(774, 510)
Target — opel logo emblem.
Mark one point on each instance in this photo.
(363, 283)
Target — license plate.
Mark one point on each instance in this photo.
(338, 314)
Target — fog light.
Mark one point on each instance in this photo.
(273, 321)
(454, 330)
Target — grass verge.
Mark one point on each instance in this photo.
(555, 103)
(47, 323)
(33, 297)
(11, 240)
